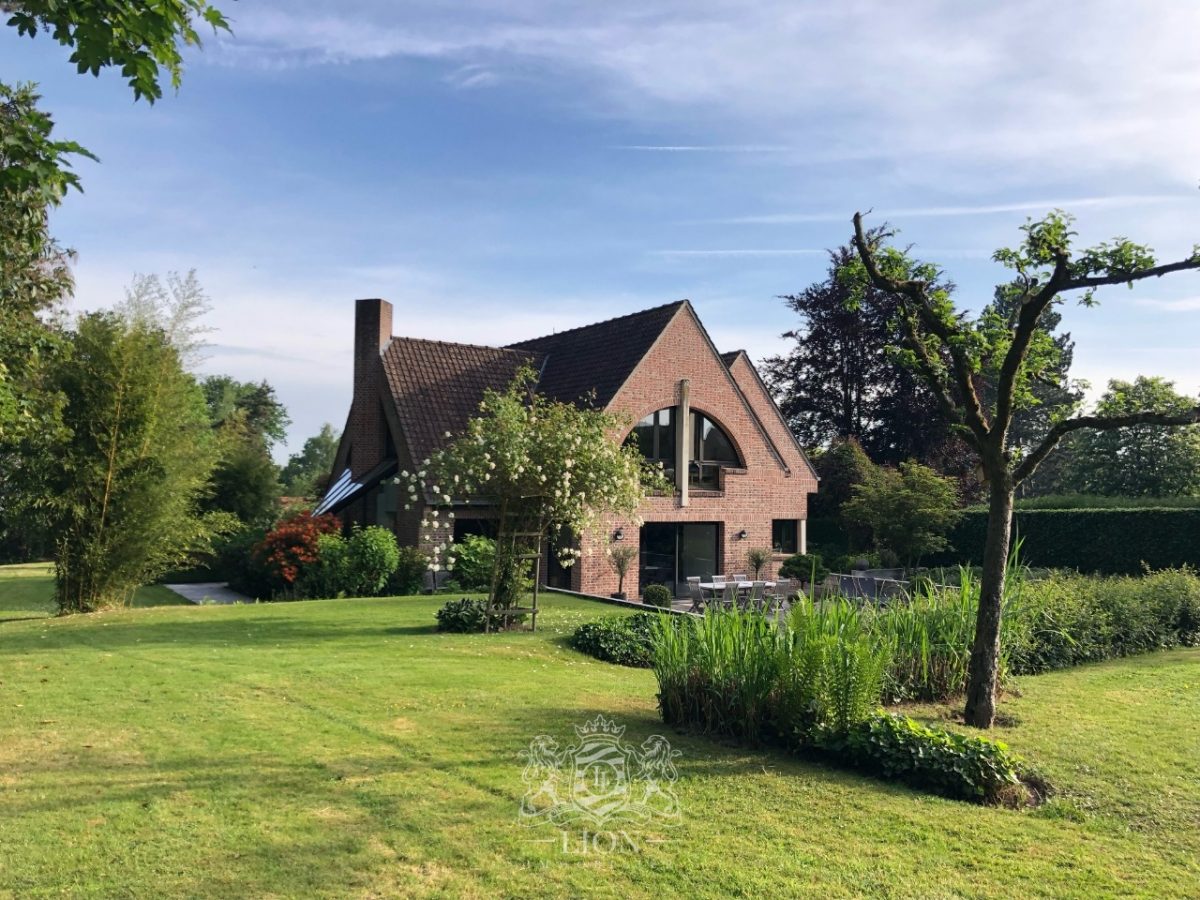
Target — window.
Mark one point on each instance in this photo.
(655, 436)
(785, 535)
(710, 447)
(710, 443)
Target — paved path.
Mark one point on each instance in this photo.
(209, 592)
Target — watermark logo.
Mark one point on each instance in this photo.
(600, 784)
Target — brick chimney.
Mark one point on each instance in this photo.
(372, 331)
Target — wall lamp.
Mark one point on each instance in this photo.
(619, 534)
(743, 534)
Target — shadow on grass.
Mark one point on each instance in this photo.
(116, 634)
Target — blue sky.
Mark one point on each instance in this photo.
(501, 170)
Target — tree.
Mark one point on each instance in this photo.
(177, 308)
(951, 350)
(838, 383)
(252, 406)
(120, 486)
(34, 271)
(35, 175)
(1053, 394)
(1142, 460)
(142, 38)
(841, 467)
(245, 481)
(307, 472)
(35, 168)
(908, 510)
(550, 469)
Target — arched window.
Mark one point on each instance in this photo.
(709, 449)
(710, 443)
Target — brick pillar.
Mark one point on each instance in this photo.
(683, 439)
(372, 331)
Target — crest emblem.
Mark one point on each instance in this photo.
(599, 780)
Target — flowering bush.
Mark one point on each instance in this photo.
(550, 468)
(291, 545)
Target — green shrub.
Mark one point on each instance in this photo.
(474, 557)
(625, 640)
(408, 577)
(657, 595)
(806, 567)
(372, 556)
(331, 574)
(236, 563)
(933, 759)
(462, 616)
(1067, 619)
(833, 675)
(468, 615)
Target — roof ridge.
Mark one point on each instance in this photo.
(640, 312)
(507, 349)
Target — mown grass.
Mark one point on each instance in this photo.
(27, 592)
(343, 748)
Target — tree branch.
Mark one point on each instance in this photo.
(971, 412)
(1027, 321)
(1030, 463)
(1126, 277)
(941, 390)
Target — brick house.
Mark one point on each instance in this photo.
(741, 478)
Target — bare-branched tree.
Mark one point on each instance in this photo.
(956, 354)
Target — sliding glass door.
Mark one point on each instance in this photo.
(671, 552)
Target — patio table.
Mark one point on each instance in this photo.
(741, 585)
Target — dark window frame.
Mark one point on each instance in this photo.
(651, 433)
(779, 538)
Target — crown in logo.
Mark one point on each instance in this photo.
(600, 725)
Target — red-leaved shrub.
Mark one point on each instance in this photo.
(291, 545)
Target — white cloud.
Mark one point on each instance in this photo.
(1074, 88)
(468, 77)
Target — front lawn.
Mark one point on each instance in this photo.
(344, 748)
(27, 592)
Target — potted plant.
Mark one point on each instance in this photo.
(757, 559)
(620, 558)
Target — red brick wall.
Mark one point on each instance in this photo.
(751, 498)
(366, 426)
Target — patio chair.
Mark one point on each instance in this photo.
(756, 598)
(777, 596)
(729, 596)
(741, 577)
(695, 594)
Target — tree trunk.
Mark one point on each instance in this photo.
(985, 654)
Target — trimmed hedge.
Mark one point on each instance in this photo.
(1108, 541)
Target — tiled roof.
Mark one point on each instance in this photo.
(729, 357)
(597, 357)
(437, 386)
